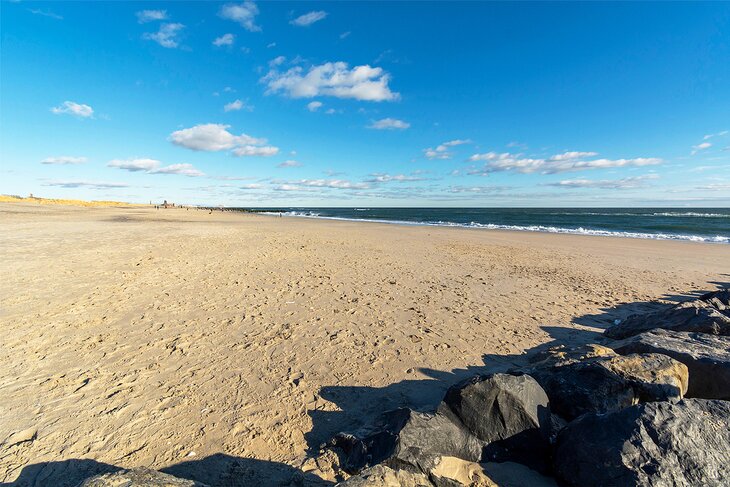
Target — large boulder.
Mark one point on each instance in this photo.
(720, 300)
(138, 477)
(594, 379)
(509, 413)
(698, 316)
(707, 358)
(407, 439)
(652, 444)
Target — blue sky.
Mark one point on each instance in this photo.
(349, 104)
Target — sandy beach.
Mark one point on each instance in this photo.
(171, 338)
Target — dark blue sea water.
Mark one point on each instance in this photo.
(696, 224)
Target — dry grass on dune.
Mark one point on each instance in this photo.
(4, 198)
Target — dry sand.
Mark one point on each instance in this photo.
(135, 336)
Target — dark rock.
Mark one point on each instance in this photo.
(707, 358)
(509, 413)
(594, 379)
(697, 316)
(652, 444)
(138, 477)
(403, 438)
(720, 300)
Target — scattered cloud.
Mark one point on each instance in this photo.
(250, 186)
(167, 36)
(364, 83)
(270, 45)
(345, 35)
(715, 187)
(479, 189)
(442, 150)
(224, 40)
(86, 184)
(64, 160)
(700, 147)
(244, 14)
(180, 169)
(389, 124)
(135, 165)
(309, 18)
(290, 163)
(145, 16)
(624, 183)
(234, 106)
(386, 178)
(153, 166)
(253, 151)
(719, 134)
(73, 108)
(45, 13)
(313, 106)
(308, 184)
(212, 137)
(277, 61)
(565, 162)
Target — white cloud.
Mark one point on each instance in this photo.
(389, 124)
(442, 150)
(251, 186)
(180, 169)
(253, 150)
(233, 106)
(309, 18)
(211, 137)
(277, 61)
(290, 163)
(700, 147)
(624, 183)
(386, 178)
(715, 187)
(719, 134)
(244, 13)
(144, 16)
(135, 165)
(304, 184)
(224, 40)
(313, 106)
(167, 36)
(73, 108)
(64, 160)
(332, 79)
(86, 184)
(152, 166)
(478, 189)
(45, 13)
(345, 35)
(566, 162)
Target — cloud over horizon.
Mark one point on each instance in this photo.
(213, 137)
(564, 162)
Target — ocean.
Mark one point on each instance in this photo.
(696, 224)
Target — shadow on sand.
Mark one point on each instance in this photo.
(358, 405)
(217, 470)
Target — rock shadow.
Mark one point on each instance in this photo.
(360, 405)
(218, 470)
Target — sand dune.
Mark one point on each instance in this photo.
(135, 336)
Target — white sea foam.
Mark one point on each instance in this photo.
(526, 228)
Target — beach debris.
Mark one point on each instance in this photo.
(651, 444)
(707, 358)
(509, 413)
(696, 316)
(405, 437)
(138, 477)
